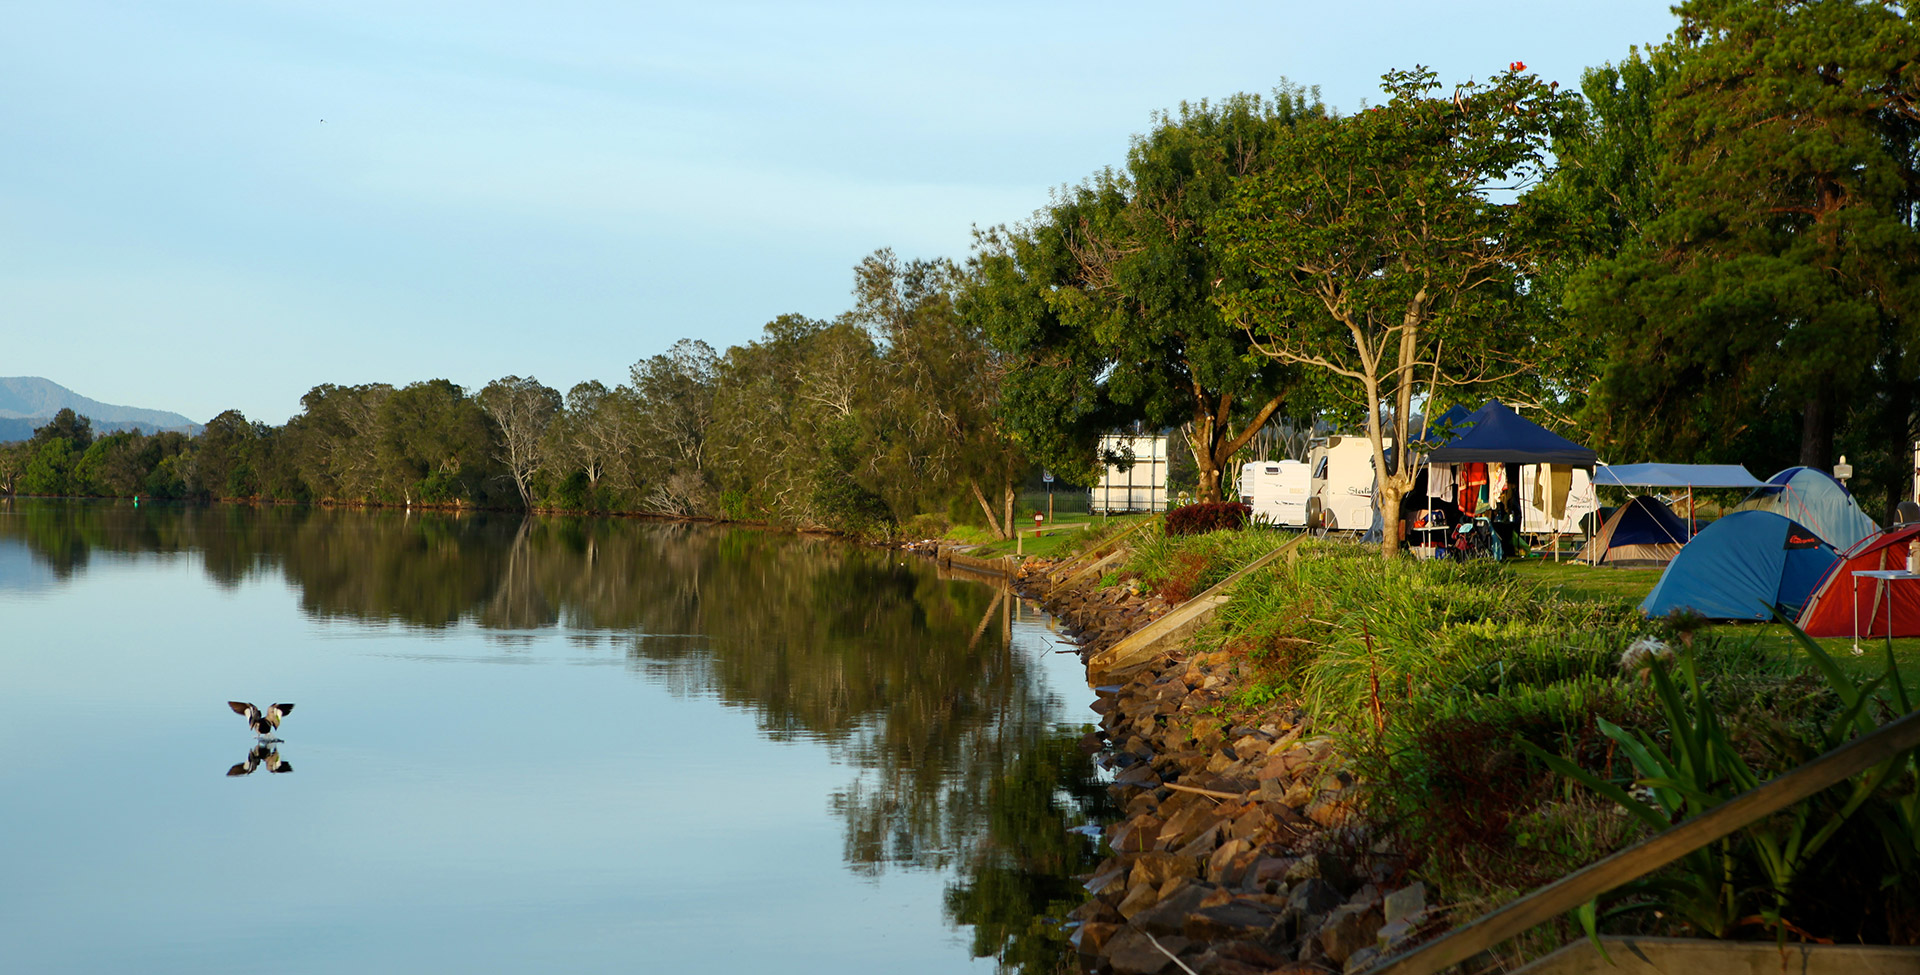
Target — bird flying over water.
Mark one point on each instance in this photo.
(262, 722)
(261, 754)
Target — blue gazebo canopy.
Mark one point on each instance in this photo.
(1501, 436)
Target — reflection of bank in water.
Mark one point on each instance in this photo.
(259, 755)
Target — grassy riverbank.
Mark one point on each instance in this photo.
(1440, 681)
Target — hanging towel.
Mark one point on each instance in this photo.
(1496, 483)
(1473, 480)
(1440, 480)
(1559, 485)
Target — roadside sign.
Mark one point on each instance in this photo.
(1046, 476)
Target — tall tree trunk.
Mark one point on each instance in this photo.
(1209, 486)
(1816, 431)
(1899, 423)
(1214, 442)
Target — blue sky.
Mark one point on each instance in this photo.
(561, 189)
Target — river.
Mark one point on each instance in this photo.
(519, 745)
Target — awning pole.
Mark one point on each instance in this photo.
(1689, 512)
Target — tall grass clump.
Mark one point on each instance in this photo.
(1179, 567)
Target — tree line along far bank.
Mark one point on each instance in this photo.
(1709, 254)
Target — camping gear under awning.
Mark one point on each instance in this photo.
(1676, 476)
(1501, 436)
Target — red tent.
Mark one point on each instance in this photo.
(1830, 612)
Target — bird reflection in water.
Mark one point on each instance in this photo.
(261, 754)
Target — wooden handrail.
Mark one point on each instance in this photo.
(1889, 741)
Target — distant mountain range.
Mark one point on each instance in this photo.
(28, 402)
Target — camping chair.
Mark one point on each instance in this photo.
(1475, 539)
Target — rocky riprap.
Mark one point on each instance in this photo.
(1240, 849)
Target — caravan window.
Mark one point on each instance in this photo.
(1273, 468)
(1320, 470)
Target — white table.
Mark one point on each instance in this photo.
(1888, 576)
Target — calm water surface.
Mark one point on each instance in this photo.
(520, 745)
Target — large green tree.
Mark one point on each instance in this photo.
(1103, 303)
(1384, 250)
(941, 382)
(437, 444)
(1768, 297)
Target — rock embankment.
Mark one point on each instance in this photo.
(1239, 850)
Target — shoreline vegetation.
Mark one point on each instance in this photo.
(1356, 756)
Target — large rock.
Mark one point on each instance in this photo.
(1348, 929)
(1131, 952)
(1312, 896)
(1404, 903)
(1108, 878)
(1333, 807)
(1155, 869)
(1270, 872)
(1236, 921)
(1171, 914)
(1225, 865)
(1136, 835)
(1139, 898)
(1091, 938)
(1188, 824)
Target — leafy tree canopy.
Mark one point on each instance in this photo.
(1102, 303)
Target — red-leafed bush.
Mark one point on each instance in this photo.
(1198, 519)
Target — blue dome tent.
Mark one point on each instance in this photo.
(1813, 498)
(1742, 567)
(1642, 532)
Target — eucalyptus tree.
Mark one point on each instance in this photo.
(13, 462)
(1372, 251)
(521, 409)
(1103, 306)
(1773, 285)
(762, 444)
(673, 396)
(595, 436)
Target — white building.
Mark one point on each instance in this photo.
(1139, 486)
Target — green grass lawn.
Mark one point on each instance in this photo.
(1059, 535)
(1579, 581)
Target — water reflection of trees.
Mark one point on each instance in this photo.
(909, 679)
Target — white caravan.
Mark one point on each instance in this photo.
(1342, 483)
(1277, 491)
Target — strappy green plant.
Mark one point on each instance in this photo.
(1750, 876)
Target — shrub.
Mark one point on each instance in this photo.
(1178, 566)
(1198, 519)
(925, 526)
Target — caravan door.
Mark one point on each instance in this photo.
(1342, 482)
